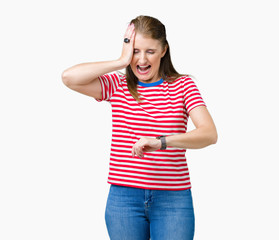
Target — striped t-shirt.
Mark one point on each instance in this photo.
(164, 110)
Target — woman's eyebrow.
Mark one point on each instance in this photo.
(147, 48)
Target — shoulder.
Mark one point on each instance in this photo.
(187, 79)
(182, 79)
(121, 75)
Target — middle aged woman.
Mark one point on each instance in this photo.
(150, 191)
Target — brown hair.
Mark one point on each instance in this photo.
(152, 27)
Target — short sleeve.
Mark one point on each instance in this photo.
(109, 84)
(191, 94)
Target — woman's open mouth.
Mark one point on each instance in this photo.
(143, 69)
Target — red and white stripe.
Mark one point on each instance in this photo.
(164, 110)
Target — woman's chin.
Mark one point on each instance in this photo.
(143, 78)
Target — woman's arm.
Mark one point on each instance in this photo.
(82, 77)
(203, 135)
(85, 73)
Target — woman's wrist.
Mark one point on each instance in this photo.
(163, 144)
(122, 63)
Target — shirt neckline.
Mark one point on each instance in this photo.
(150, 84)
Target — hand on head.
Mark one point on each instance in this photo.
(128, 45)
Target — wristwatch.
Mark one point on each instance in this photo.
(163, 142)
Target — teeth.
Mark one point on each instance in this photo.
(143, 68)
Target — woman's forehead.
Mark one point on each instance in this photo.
(142, 41)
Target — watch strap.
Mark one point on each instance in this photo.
(163, 142)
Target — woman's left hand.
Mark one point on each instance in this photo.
(145, 144)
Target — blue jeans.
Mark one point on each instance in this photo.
(138, 214)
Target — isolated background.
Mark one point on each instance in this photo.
(55, 142)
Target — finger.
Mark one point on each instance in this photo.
(129, 30)
(133, 36)
(137, 152)
(140, 152)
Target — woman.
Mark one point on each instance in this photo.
(150, 191)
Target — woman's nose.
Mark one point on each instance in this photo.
(142, 58)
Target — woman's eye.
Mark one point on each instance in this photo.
(136, 51)
(150, 52)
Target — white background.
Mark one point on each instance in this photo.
(55, 142)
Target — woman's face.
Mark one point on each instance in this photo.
(146, 58)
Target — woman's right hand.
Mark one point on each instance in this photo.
(128, 48)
